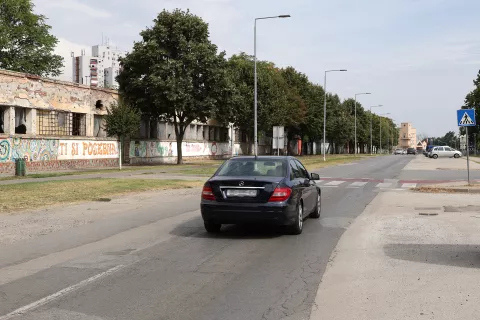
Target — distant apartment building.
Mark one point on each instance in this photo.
(100, 69)
(408, 136)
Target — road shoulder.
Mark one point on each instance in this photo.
(408, 256)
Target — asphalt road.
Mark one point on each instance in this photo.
(155, 261)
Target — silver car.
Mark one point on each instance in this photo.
(445, 152)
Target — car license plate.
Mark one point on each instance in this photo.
(241, 193)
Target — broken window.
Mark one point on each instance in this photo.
(61, 123)
(153, 129)
(78, 124)
(99, 126)
(20, 120)
(2, 119)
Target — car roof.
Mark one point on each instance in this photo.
(263, 158)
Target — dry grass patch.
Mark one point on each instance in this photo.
(41, 194)
(316, 162)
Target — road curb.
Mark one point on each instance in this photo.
(447, 190)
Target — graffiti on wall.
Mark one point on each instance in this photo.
(79, 149)
(51, 149)
(155, 149)
(28, 149)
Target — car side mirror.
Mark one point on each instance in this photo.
(314, 176)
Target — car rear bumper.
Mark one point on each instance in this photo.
(229, 213)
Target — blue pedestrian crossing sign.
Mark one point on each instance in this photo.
(466, 118)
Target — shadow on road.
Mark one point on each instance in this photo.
(194, 229)
(455, 255)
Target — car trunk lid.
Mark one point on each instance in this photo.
(244, 189)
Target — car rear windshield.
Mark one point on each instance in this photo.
(252, 167)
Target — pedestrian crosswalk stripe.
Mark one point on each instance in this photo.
(384, 185)
(409, 185)
(358, 184)
(334, 183)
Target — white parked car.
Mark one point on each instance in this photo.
(444, 151)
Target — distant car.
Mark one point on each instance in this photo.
(444, 151)
(398, 151)
(276, 190)
(411, 151)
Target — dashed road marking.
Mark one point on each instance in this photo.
(409, 185)
(334, 183)
(54, 296)
(358, 184)
(384, 185)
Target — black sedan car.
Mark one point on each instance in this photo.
(276, 190)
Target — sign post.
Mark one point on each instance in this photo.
(466, 118)
(278, 138)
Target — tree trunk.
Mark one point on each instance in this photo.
(179, 149)
(180, 127)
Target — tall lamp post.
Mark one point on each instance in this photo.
(325, 108)
(381, 115)
(371, 130)
(255, 135)
(357, 94)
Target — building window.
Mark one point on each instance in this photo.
(21, 120)
(78, 124)
(99, 126)
(3, 110)
(61, 123)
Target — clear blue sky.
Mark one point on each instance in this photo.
(417, 57)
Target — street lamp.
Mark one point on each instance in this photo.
(325, 108)
(380, 115)
(371, 132)
(357, 94)
(255, 81)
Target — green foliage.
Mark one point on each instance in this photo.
(449, 139)
(25, 42)
(472, 101)
(175, 73)
(122, 120)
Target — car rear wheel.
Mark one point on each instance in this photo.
(318, 208)
(435, 156)
(297, 227)
(456, 156)
(212, 227)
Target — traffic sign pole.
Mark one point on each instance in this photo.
(466, 118)
(468, 158)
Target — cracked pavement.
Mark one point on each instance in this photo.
(172, 268)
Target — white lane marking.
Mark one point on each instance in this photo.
(384, 185)
(334, 183)
(47, 299)
(409, 185)
(358, 184)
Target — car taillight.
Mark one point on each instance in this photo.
(207, 194)
(280, 194)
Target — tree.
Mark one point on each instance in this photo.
(25, 42)
(278, 102)
(122, 121)
(175, 73)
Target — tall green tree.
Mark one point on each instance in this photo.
(122, 121)
(472, 101)
(278, 102)
(26, 44)
(175, 73)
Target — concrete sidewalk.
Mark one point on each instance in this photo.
(408, 256)
(132, 174)
(424, 163)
